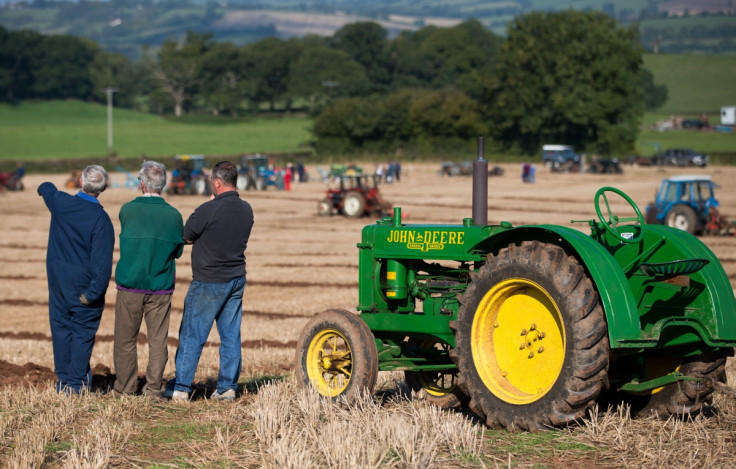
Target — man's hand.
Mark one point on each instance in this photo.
(83, 299)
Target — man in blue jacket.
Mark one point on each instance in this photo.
(78, 267)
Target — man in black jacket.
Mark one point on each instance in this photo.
(219, 231)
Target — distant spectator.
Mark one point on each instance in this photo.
(379, 172)
(287, 178)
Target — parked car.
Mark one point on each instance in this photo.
(560, 158)
(465, 168)
(692, 124)
(451, 168)
(681, 157)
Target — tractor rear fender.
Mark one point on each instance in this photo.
(714, 306)
(708, 317)
(615, 293)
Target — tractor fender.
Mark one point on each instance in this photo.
(613, 288)
(715, 322)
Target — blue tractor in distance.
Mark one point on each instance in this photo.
(255, 172)
(688, 203)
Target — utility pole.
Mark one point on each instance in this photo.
(109, 92)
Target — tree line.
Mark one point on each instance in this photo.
(568, 77)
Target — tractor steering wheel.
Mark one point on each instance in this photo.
(613, 220)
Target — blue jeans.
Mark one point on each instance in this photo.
(204, 304)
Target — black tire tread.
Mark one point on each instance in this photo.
(362, 344)
(574, 392)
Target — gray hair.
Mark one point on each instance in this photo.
(227, 172)
(94, 180)
(153, 176)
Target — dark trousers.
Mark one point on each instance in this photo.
(73, 329)
(130, 310)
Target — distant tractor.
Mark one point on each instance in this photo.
(605, 166)
(529, 326)
(255, 173)
(12, 181)
(687, 203)
(354, 196)
(337, 170)
(189, 176)
(465, 168)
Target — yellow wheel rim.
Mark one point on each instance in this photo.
(437, 384)
(433, 382)
(329, 363)
(518, 341)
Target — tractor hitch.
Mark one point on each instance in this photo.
(637, 387)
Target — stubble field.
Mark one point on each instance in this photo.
(300, 264)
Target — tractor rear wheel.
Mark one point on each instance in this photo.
(684, 397)
(435, 387)
(336, 355)
(354, 204)
(531, 339)
(682, 217)
(324, 208)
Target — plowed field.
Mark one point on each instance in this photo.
(298, 263)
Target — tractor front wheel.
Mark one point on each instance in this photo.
(354, 204)
(682, 217)
(243, 182)
(531, 339)
(324, 208)
(336, 355)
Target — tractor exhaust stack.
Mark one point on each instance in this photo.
(480, 187)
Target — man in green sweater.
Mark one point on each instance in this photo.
(150, 242)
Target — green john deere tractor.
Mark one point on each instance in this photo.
(531, 325)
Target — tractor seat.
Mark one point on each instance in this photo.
(674, 272)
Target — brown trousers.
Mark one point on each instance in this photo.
(130, 310)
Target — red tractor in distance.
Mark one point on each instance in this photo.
(354, 196)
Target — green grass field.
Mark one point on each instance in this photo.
(72, 129)
(696, 83)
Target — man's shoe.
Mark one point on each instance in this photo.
(179, 396)
(228, 395)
